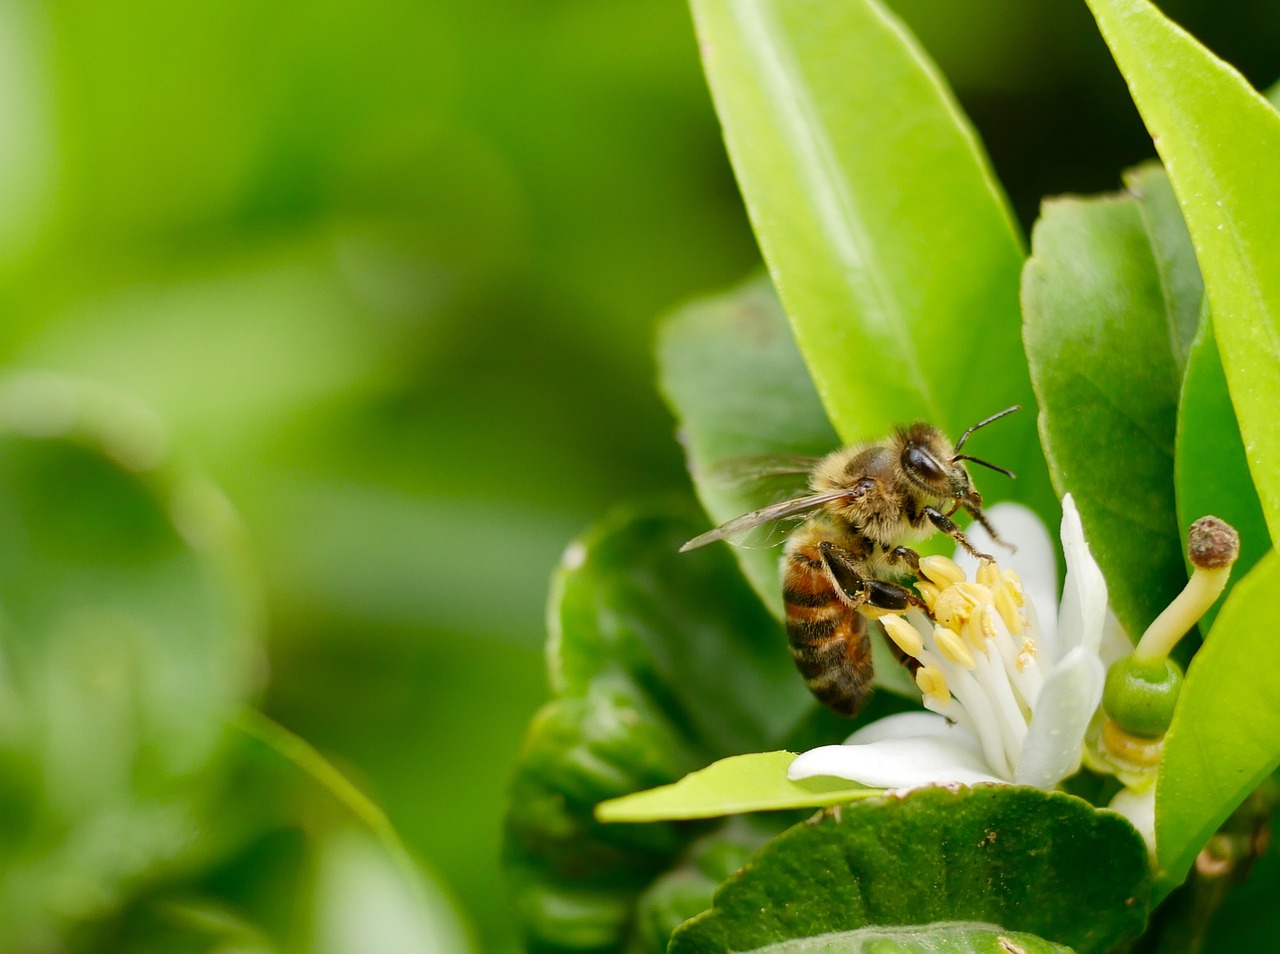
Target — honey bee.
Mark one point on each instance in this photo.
(863, 503)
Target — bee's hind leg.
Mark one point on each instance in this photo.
(859, 591)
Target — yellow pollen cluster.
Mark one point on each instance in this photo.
(965, 613)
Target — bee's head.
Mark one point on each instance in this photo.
(936, 468)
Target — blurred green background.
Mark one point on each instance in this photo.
(389, 272)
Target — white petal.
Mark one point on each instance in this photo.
(904, 725)
(1067, 702)
(1140, 809)
(1116, 643)
(899, 763)
(1034, 561)
(1084, 597)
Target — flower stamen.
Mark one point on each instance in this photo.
(941, 571)
(933, 685)
(905, 636)
(952, 648)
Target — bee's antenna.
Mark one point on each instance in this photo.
(994, 417)
(985, 463)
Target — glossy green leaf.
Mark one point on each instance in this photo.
(1181, 286)
(754, 782)
(661, 663)
(1218, 139)
(1225, 736)
(729, 369)
(1100, 334)
(128, 625)
(885, 233)
(958, 938)
(1212, 468)
(1016, 858)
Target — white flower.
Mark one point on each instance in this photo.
(1011, 683)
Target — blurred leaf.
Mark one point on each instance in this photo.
(128, 623)
(363, 900)
(687, 888)
(954, 938)
(741, 783)
(661, 662)
(1100, 333)
(1225, 736)
(1218, 139)
(732, 375)
(224, 350)
(1212, 469)
(1017, 858)
(884, 230)
(27, 162)
(296, 859)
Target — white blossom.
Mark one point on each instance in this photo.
(1012, 677)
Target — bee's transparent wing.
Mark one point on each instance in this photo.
(736, 528)
(737, 471)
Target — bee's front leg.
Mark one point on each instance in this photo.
(948, 526)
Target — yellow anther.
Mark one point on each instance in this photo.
(905, 636)
(953, 648)
(933, 685)
(952, 608)
(941, 571)
(1007, 606)
(976, 628)
(1027, 656)
(1014, 582)
(976, 593)
(928, 592)
(875, 612)
(988, 573)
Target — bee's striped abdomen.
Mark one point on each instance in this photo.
(828, 638)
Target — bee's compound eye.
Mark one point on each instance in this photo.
(922, 463)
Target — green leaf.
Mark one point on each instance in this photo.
(1017, 858)
(661, 663)
(1100, 334)
(1212, 469)
(1218, 139)
(742, 783)
(1225, 736)
(729, 369)
(1181, 286)
(960, 938)
(128, 624)
(888, 240)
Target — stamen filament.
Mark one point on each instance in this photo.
(986, 723)
(1013, 724)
